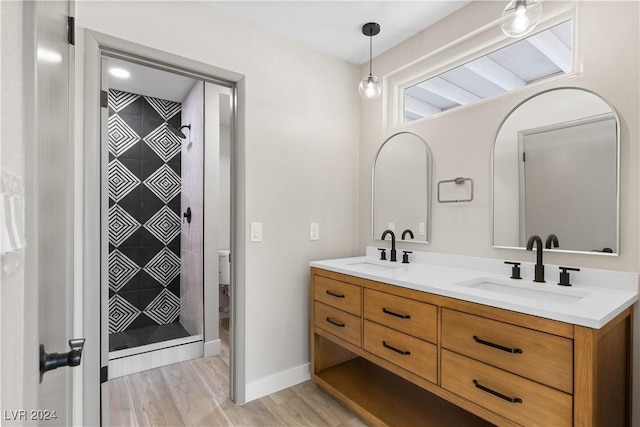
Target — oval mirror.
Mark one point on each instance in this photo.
(555, 171)
(401, 186)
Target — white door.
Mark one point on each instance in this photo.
(569, 187)
(49, 159)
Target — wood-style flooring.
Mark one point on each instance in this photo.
(195, 393)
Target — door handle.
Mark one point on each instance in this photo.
(50, 361)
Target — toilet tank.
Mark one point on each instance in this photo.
(224, 271)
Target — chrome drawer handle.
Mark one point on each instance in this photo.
(333, 294)
(498, 346)
(402, 316)
(498, 394)
(402, 352)
(333, 322)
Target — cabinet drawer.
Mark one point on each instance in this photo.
(341, 324)
(412, 354)
(536, 355)
(490, 387)
(412, 317)
(338, 294)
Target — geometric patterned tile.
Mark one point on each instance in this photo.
(165, 308)
(118, 99)
(121, 314)
(163, 267)
(163, 142)
(164, 225)
(164, 183)
(121, 270)
(121, 136)
(166, 109)
(121, 225)
(121, 180)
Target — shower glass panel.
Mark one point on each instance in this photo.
(144, 219)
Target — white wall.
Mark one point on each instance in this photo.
(462, 141)
(301, 145)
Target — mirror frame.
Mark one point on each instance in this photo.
(429, 195)
(502, 122)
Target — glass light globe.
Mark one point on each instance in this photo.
(370, 87)
(520, 17)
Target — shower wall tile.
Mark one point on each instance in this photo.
(192, 161)
(144, 211)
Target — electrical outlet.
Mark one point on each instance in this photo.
(392, 226)
(314, 231)
(421, 229)
(256, 232)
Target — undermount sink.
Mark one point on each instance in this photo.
(372, 266)
(558, 296)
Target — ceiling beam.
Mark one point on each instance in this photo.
(552, 47)
(495, 73)
(445, 89)
(419, 108)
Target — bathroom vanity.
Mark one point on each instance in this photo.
(426, 344)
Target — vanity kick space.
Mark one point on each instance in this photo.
(421, 358)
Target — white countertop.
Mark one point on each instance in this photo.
(580, 304)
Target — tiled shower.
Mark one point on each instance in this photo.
(144, 220)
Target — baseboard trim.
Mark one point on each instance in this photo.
(212, 348)
(276, 382)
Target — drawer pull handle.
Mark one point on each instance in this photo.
(402, 352)
(498, 346)
(402, 316)
(333, 322)
(333, 294)
(495, 393)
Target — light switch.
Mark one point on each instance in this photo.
(421, 229)
(314, 231)
(256, 232)
(392, 226)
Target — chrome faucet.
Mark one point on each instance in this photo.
(539, 268)
(393, 244)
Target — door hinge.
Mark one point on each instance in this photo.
(104, 99)
(71, 30)
(104, 374)
(524, 157)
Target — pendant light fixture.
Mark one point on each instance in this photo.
(370, 87)
(520, 17)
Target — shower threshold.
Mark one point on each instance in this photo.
(150, 356)
(118, 354)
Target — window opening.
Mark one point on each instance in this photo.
(538, 57)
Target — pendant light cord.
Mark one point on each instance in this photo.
(370, 54)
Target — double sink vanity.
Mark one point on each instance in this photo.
(448, 340)
(452, 340)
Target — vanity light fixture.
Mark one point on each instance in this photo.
(370, 87)
(520, 17)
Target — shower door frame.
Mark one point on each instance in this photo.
(96, 47)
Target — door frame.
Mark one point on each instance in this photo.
(94, 45)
